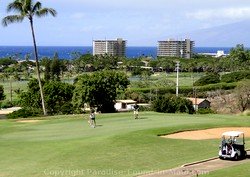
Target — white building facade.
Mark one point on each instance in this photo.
(110, 47)
(175, 48)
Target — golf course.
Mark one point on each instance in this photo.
(118, 146)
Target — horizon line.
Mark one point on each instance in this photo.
(91, 46)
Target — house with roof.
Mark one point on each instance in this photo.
(200, 103)
(124, 105)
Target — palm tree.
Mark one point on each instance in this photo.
(29, 9)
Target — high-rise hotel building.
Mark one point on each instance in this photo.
(175, 48)
(110, 47)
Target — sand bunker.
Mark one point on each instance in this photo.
(207, 134)
(28, 121)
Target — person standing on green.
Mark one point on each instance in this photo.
(92, 121)
(136, 111)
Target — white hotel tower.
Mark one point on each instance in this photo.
(110, 47)
(175, 48)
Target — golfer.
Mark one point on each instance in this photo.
(92, 118)
(136, 111)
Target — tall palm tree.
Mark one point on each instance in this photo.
(29, 9)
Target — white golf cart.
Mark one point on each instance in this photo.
(232, 145)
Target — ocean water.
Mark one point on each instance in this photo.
(19, 52)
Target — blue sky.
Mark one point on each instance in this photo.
(140, 22)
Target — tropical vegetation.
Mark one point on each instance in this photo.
(29, 9)
(86, 74)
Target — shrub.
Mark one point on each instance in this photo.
(6, 104)
(146, 108)
(187, 91)
(58, 96)
(24, 113)
(172, 104)
(208, 79)
(99, 89)
(205, 111)
(184, 105)
(67, 108)
(2, 96)
(246, 113)
(235, 76)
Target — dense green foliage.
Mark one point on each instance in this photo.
(53, 68)
(201, 91)
(145, 86)
(25, 113)
(58, 97)
(235, 76)
(28, 9)
(2, 96)
(211, 78)
(6, 104)
(205, 111)
(99, 89)
(7, 61)
(31, 98)
(172, 104)
(88, 62)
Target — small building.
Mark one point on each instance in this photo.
(124, 105)
(200, 103)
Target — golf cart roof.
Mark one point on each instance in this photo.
(232, 133)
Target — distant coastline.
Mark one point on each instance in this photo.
(67, 52)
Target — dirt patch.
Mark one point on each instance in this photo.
(29, 121)
(213, 133)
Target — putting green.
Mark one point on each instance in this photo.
(118, 146)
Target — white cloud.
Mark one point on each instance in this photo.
(226, 13)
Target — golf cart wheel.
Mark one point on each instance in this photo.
(236, 157)
(222, 158)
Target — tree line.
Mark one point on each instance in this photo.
(108, 82)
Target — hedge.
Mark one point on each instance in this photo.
(183, 90)
(235, 76)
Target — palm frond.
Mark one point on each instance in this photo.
(27, 5)
(16, 6)
(46, 11)
(12, 19)
(37, 6)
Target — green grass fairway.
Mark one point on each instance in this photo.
(15, 85)
(118, 146)
(236, 171)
